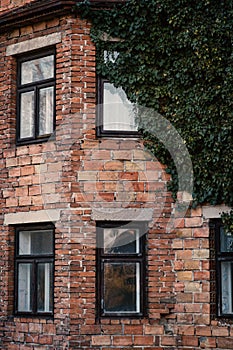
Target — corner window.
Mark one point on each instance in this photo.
(224, 270)
(121, 269)
(116, 114)
(35, 97)
(34, 270)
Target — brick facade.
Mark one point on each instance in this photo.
(76, 175)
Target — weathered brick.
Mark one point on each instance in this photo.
(122, 340)
(193, 222)
(184, 276)
(101, 340)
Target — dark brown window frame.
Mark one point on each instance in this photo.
(102, 257)
(34, 260)
(100, 132)
(216, 258)
(35, 86)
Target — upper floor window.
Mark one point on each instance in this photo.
(34, 268)
(35, 97)
(224, 269)
(121, 269)
(116, 114)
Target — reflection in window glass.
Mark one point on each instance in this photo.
(27, 121)
(121, 241)
(25, 287)
(226, 283)
(37, 69)
(121, 287)
(118, 113)
(46, 111)
(44, 287)
(35, 242)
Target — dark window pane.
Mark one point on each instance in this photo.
(37, 69)
(27, 117)
(118, 113)
(121, 287)
(35, 242)
(25, 287)
(226, 241)
(46, 111)
(121, 241)
(44, 287)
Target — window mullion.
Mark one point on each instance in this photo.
(34, 293)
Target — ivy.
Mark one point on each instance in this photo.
(227, 219)
(176, 57)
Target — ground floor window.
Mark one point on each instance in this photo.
(121, 269)
(34, 270)
(224, 269)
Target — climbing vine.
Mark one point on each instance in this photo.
(227, 219)
(176, 57)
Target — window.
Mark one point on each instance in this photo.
(121, 269)
(224, 269)
(35, 97)
(34, 259)
(116, 114)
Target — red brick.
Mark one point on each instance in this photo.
(203, 331)
(143, 340)
(122, 340)
(114, 165)
(189, 340)
(101, 340)
(193, 222)
(220, 331)
(168, 340)
(133, 329)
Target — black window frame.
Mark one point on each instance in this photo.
(35, 86)
(100, 132)
(216, 225)
(102, 257)
(34, 260)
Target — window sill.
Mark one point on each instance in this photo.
(35, 141)
(117, 134)
(32, 316)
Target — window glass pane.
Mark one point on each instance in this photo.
(44, 287)
(118, 112)
(121, 287)
(226, 283)
(226, 241)
(37, 69)
(27, 125)
(46, 111)
(110, 56)
(35, 242)
(121, 241)
(25, 287)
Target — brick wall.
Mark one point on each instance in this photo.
(78, 174)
